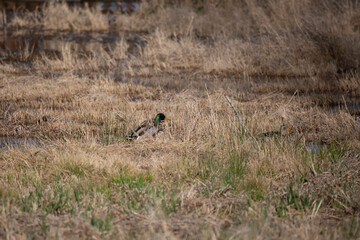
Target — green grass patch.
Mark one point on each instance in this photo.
(112, 130)
(161, 199)
(255, 190)
(76, 168)
(228, 171)
(234, 169)
(103, 224)
(136, 193)
(132, 181)
(294, 197)
(351, 228)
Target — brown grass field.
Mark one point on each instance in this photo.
(67, 170)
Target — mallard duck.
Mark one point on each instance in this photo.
(148, 127)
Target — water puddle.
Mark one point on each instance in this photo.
(104, 6)
(351, 106)
(124, 7)
(15, 142)
(24, 44)
(29, 45)
(315, 147)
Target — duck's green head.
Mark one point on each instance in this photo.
(159, 118)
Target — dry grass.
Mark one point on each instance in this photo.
(202, 177)
(61, 17)
(202, 166)
(272, 38)
(264, 38)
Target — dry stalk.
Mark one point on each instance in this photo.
(252, 139)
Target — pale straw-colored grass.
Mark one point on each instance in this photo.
(201, 177)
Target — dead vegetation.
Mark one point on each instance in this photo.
(73, 174)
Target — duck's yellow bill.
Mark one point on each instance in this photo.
(167, 118)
